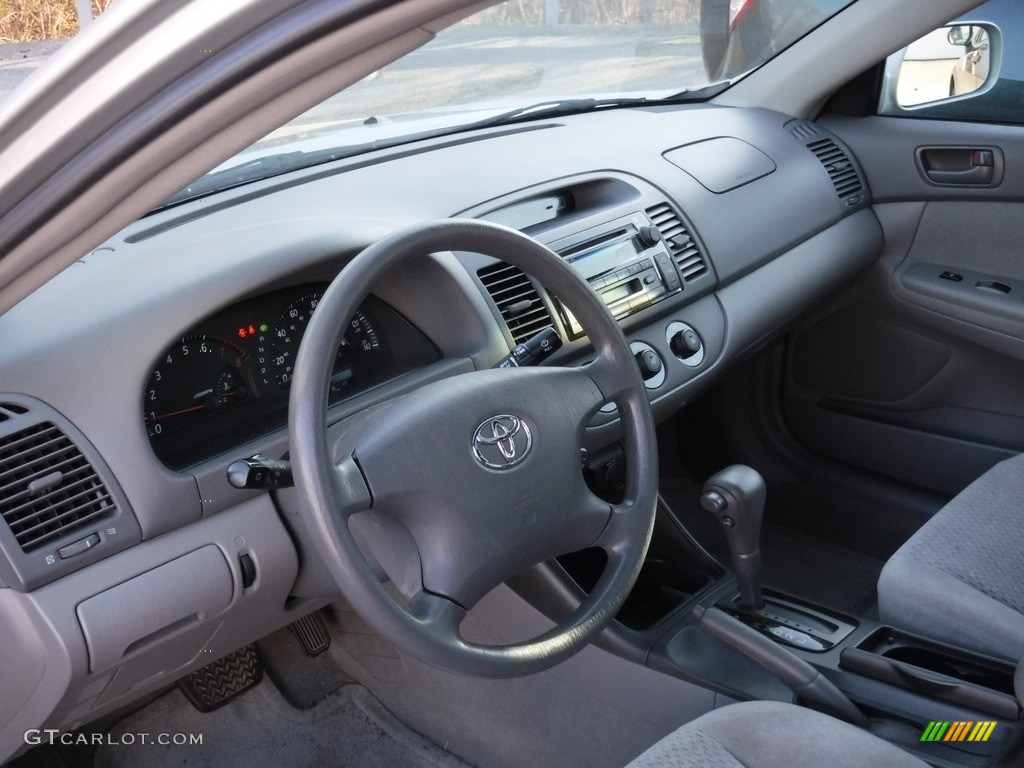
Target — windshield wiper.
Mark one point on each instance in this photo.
(252, 170)
(556, 108)
(574, 106)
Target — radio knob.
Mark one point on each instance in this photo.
(649, 362)
(685, 344)
(649, 236)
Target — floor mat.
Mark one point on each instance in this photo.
(817, 570)
(302, 680)
(348, 728)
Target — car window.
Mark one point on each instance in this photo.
(970, 69)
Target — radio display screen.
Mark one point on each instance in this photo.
(604, 258)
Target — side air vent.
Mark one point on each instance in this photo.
(517, 300)
(47, 487)
(681, 245)
(840, 169)
(805, 131)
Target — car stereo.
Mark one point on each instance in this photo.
(626, 263)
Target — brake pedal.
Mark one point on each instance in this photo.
(216, 684)
(312, 634)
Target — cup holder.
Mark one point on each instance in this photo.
(959, 669)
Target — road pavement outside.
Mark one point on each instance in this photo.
(469, 64)
(19, 60)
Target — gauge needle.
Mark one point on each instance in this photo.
(193, 409)
(179, 413)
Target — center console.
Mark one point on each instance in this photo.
(951, 707)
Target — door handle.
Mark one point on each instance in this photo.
(961, 166)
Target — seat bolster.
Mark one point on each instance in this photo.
(766, 734)
(923, 599)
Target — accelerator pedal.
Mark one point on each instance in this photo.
(312, 634)
(216, 684)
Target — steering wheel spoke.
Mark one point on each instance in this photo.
(607, 374)
(438, 616)
(350, 488)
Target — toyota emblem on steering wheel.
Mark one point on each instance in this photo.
(502, 441)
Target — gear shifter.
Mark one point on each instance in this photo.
(736, 496)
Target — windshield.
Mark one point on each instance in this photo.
(523, 59)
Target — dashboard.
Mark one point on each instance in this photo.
(166, 354)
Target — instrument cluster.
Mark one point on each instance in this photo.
(226, 381)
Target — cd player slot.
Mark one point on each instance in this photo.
(603, 239)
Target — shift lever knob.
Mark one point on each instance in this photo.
(735, 496)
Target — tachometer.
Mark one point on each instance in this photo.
(196, 377)
(360, 339)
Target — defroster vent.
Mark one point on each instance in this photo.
(517, 300)
(804, 130)
(47, 486)
(681, 245)
(840, 168)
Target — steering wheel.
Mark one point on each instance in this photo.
(465, 482)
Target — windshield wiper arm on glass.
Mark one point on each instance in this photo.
(253, 170)
(556, 108)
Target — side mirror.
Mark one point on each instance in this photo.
(959, 35)
(944, 64)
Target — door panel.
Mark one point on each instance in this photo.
(916, 372)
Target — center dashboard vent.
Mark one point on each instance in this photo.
(680, 243)
(47, 486)
(841, 169)
(517, 300)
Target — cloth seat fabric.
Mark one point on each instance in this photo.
(960, 578)
(766, 734)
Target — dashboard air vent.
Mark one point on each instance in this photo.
(47, 487)
(681, 245)
(517, 300)
(805, 131)
(840, 168)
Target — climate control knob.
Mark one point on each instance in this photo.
(649, 362)
(685, 344)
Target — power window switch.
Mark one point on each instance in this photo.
(953, 277)
(84, 545)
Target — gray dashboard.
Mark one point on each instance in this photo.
(776, 209)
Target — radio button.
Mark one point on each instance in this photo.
(636, 269)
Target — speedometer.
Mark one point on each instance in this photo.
(360, 339)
